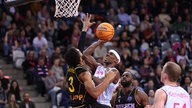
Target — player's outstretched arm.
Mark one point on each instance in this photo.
(86, 25)
(88, 58)
(93, 90)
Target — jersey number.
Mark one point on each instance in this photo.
(71, 87)
(177, 105)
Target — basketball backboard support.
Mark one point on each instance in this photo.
(18, 2)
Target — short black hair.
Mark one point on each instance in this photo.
(72, 57)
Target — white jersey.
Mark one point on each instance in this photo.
(106, 96)
(177, 97)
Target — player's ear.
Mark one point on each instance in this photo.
(116, 61)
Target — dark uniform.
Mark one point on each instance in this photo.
(127, 100)
(78, 94)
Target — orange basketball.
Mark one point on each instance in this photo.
(105, 31)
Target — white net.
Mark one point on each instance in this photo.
(66, 8)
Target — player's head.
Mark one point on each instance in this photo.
(190, 88)
(73, 57)
(112, 57)
(126, 79)
(171, 72)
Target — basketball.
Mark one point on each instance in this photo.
(105, 31)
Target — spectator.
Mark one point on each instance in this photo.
(23, 41)
(184, 67)
(151, 95)
(56, 54)
(137, 84)
(52, 30)
(64, 35)
(3, 96)
(27, 103)
(189, 49)
(43, 26)
(145, 70)
(10, 43)
(188, 25)
(179, 26)
(134, 46)
(150, 86)
(156, 27)
(156, 57)
(123, 16)
(187, 82)
(53, 86)
(145, 23)
(39, 42)
(5, 81)
(14, 89)
(44, 54)
(134, 18)
(28, 66)
(182, 55)
(43, 14)
(57, 69)
(147, 54)
(157, 77)
(169, 56)
(75, 35)
(165, 18)
(18, 19)
(6, 19)
(30, 34)
(12, 102)
(30, 20)
(136, 60)
(111, 17)
(40, 72)
(126, 58)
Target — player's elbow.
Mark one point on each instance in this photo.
(85, 56)
(95, 94)
(85, 53)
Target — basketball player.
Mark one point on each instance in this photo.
(129, 96)
(83, 92)
(171, 95)
(111, 59)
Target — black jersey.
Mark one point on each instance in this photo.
(127, 100)
(78, 95)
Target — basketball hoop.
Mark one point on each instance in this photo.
(66, 8)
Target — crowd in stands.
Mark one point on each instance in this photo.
(148, 33)
(10, 96)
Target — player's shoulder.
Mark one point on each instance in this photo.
(140, 92)
(80, 68)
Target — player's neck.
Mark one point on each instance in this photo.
(171, 83)
(108, 65)
(128, 88)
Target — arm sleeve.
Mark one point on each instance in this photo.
(81, 43)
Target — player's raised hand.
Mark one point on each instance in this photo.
(102, 41)
(86, 22)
